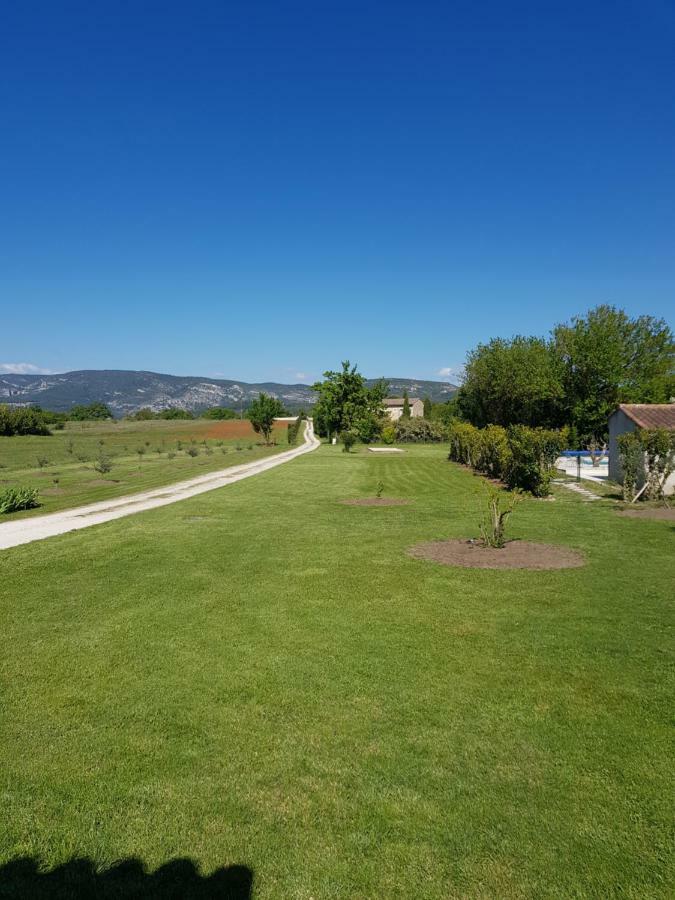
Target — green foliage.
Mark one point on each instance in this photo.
(632, 456)
(15, 499)
(497, 510)
(494, 452)
(444, 412)
(659, 449)
(576, 378)
(523, 457)
(512, 381)
(532, 455)
(608, 358)
(262, 413)
(174, 413)
(405, 414)
(388, 434)
(192, 451)
(418, 431)
(82, 413)
(22, 420)
(219, 412)
(293, 430)
(103, 463)
(345, 402)
(379, 490)
(348, 439)
(146, 414)
(42, 461)
(428, 407)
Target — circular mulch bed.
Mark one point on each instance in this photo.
(665, 513)
(515, 555)
(375, 501)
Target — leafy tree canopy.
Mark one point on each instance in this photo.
(346, 404)
(262, 413)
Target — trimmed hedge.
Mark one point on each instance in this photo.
(523, 457)
(293, 430)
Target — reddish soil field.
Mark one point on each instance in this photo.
(239, 428)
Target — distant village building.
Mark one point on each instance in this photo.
(629, 417)
(394, 407)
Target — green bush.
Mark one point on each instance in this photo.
(103, 464)
(192, 451)
(418, 431)
(22, 420)
(659, 448)
(632, 456)
(493, 451)
(533, 452)
(389, 434)
(521, 456)
(14, 499)
(348, 439)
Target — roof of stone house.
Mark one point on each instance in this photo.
(398, 401)
(651, 415)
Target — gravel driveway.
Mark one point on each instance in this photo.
(23, 531)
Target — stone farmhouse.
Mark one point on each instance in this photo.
(394, 407)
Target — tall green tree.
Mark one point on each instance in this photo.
(428, 407)
(262, 413)
(516, 381)
(346, 403)
(608, 358)
(405, 414)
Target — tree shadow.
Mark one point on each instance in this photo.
(79, 879)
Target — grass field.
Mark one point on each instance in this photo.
(61, 465)
(260, 676)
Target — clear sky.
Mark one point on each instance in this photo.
(259, 190)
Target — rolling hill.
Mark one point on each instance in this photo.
(125, 392)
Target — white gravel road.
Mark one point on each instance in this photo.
(23, 531)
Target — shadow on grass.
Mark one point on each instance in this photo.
(78, 879)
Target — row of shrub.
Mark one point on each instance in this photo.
(520, 456)
(21, 420)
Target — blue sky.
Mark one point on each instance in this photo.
(259, 190)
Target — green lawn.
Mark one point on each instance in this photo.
(61, 465)
(261, 676)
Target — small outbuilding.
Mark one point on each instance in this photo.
(394, 407)
(630, 417)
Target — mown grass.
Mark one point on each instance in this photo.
(62, 465)
(261, 676)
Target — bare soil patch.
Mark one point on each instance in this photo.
(376, 501)
(664, 513)
(515, 555)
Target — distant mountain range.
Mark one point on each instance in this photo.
(125, 392)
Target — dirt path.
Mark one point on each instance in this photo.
(23, 531)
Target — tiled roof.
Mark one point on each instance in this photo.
(398, 401)
(651, 415)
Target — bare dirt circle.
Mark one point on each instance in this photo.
(666, 514)
(375, 501)
(515, 555)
